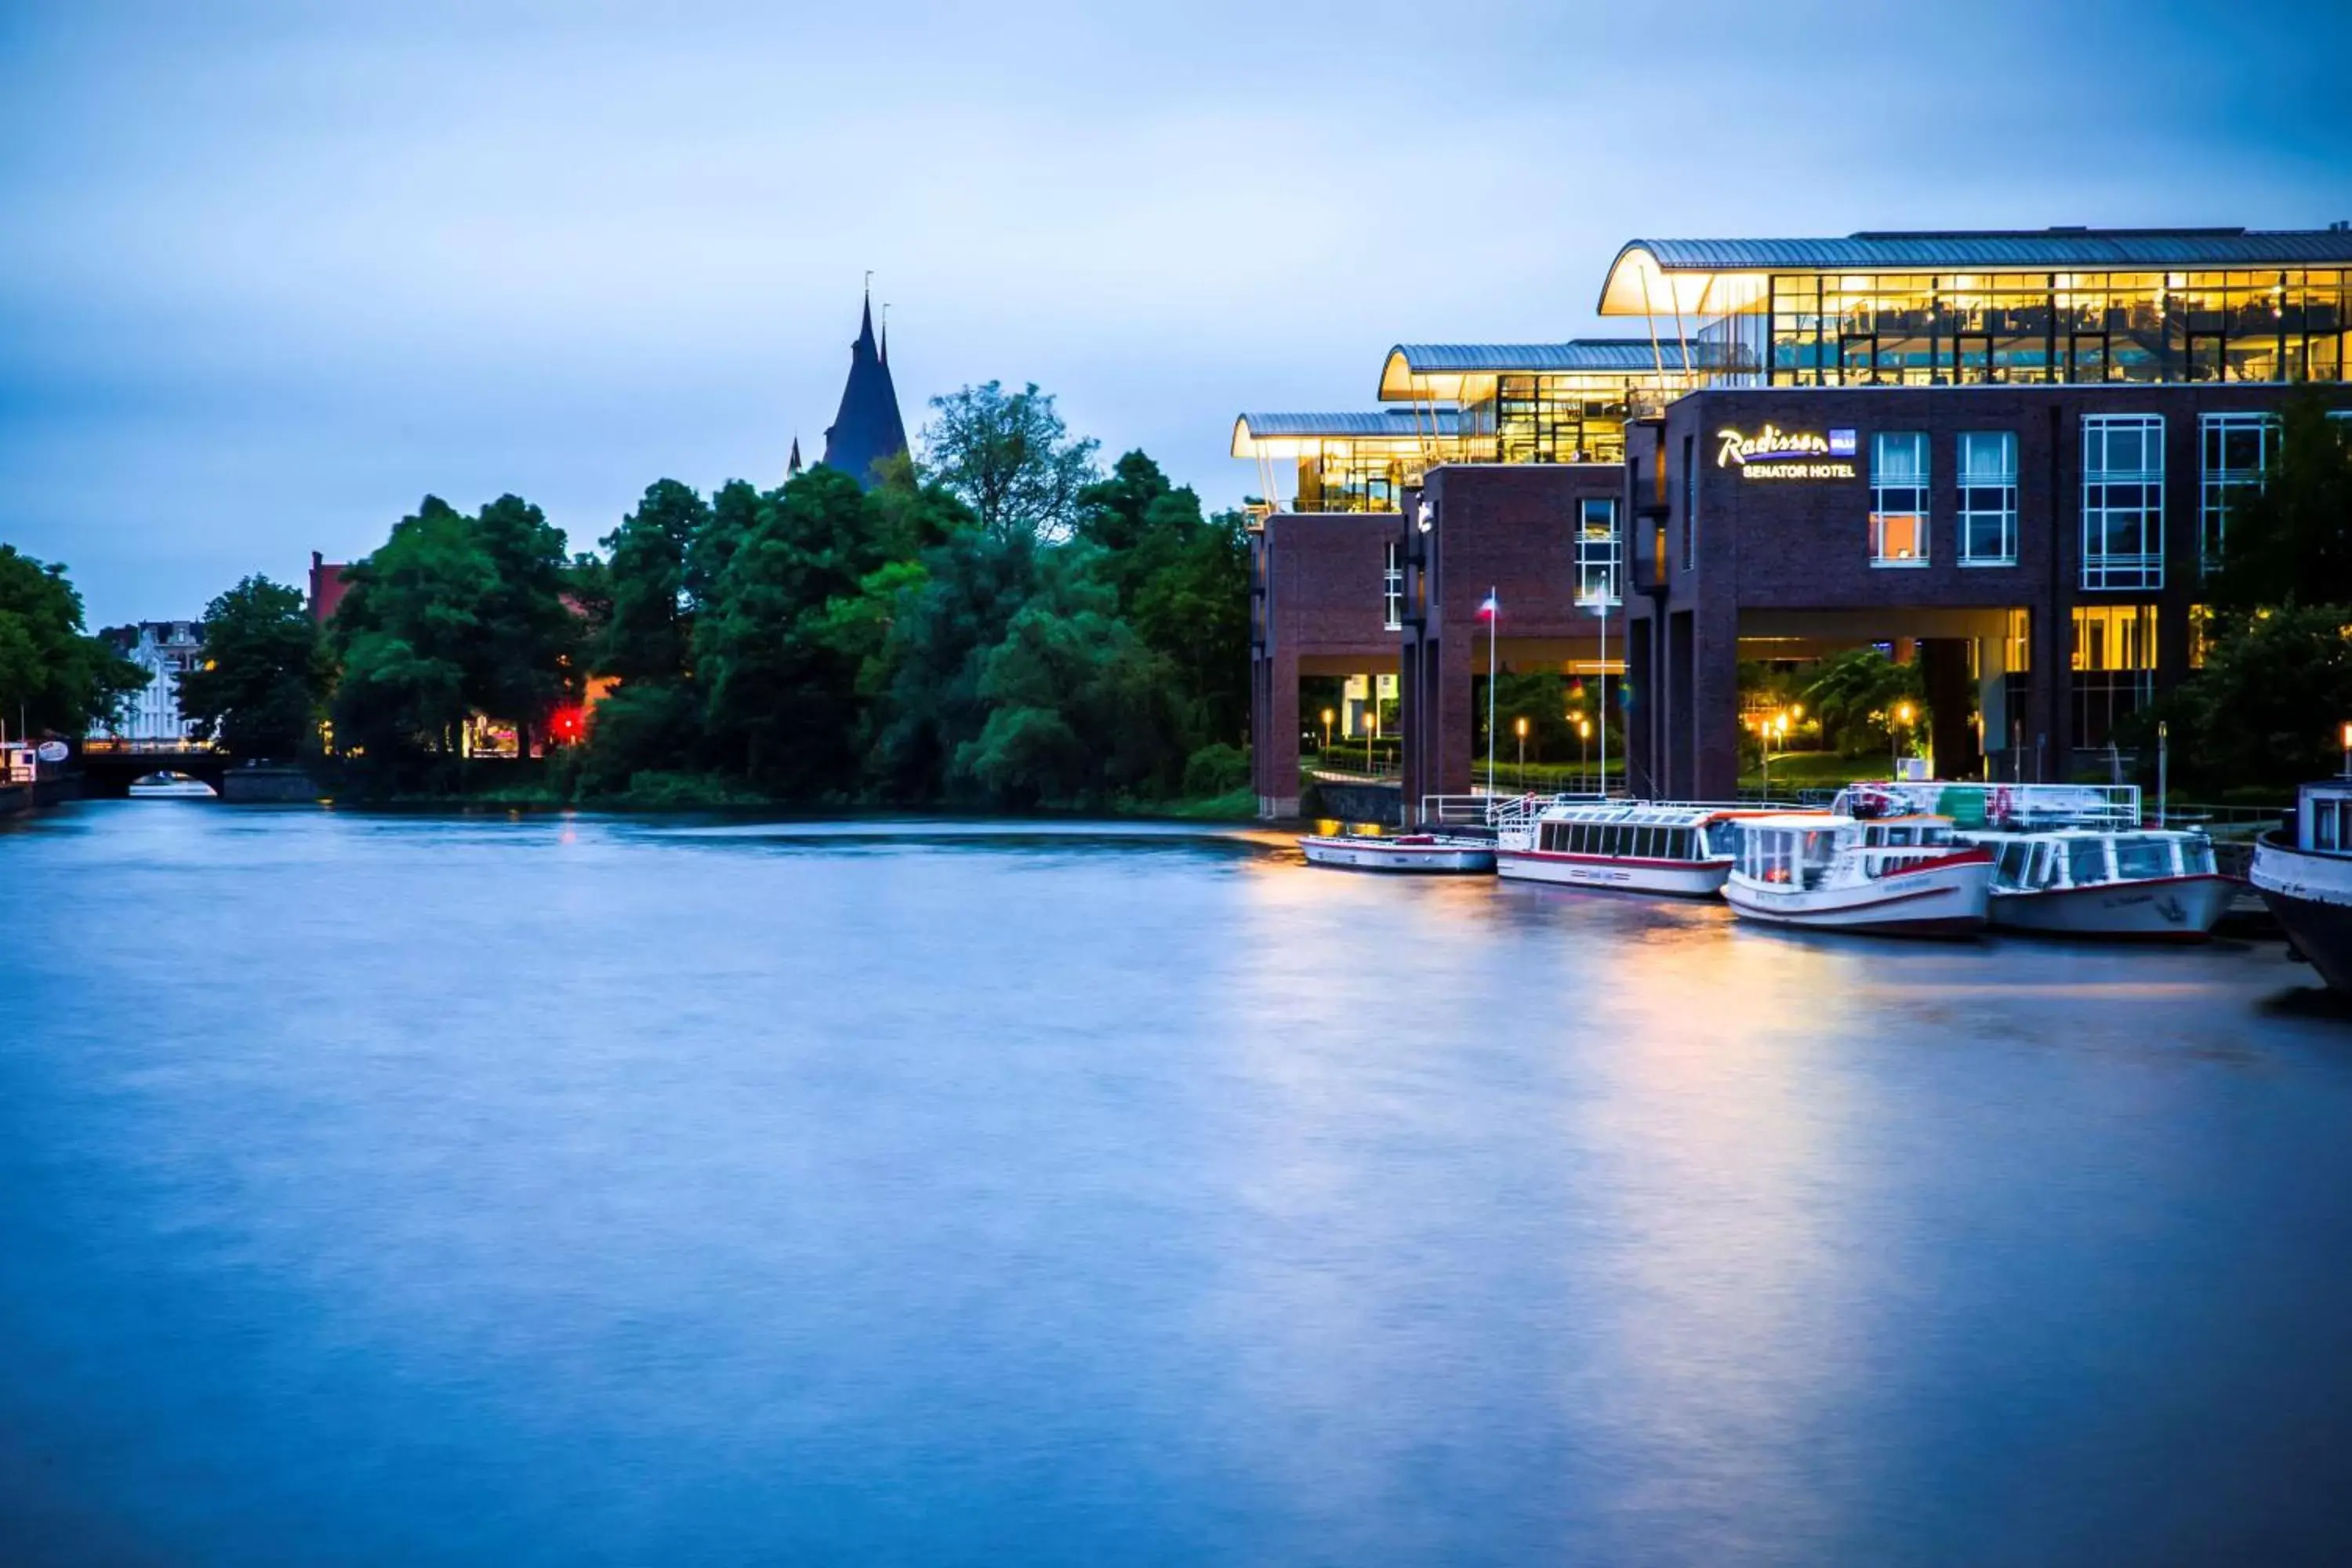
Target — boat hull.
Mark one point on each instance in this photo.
(2161, 909)
(2311, 898)
(1389, 855)
(1678, 878)
(1942, 900)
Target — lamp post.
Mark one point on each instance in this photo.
(1519, 727)
(1585, 751)
(2347, 751)
(1775, 726)
(1903, 711)
(1327, 729)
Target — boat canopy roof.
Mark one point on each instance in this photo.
(1638, 814)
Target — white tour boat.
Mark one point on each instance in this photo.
(1896, 876)
(1639, 847)
(2071, 859)
(2303, 873)
(1409, 852)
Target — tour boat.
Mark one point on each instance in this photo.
(1630, 845)
(2071, 859)
(1894, 876)
(1410, 852)
(2305, 874)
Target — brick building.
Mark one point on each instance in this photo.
(2008, 454)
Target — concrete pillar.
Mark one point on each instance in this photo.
(1275, 751)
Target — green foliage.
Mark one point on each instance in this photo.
(1010, 458)
(2290, 543)
(1857, 694)
(2267, 707)
(262, 683)
(1216, 769)
(649, 630)
(53, 677)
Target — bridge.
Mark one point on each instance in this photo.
(109, 767)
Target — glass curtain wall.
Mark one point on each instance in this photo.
(2113, 667)
(1555, 420)
(1904, 328)
(1596, 552)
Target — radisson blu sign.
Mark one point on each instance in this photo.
(1773, 453)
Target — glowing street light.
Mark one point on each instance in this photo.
(1584, 736)
(1519, 727)
(1903, 714)
(1327, 729)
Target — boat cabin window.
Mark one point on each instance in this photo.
(2086, 861)
(2015, 867)
(2197, 858)
(2142, 857)
(2329, 829)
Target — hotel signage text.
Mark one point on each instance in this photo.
(1773, 453)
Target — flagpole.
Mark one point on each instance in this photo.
(1604, 678)
(1494, 630)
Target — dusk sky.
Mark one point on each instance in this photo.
(269, 274)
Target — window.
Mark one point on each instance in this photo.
(1596, 552)
(1898, 498)
(1989, 498)
(2236, 452)
(2113, 667)
(1393, 589)
(1690, 503)
(2123, 501)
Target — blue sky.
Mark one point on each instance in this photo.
(269, 273)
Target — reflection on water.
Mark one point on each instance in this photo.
(561, 1189)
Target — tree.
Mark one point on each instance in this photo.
(1857, 694)
(527, 660)
(1010, 458)
(2268, 705)
(2290, 542)
(940, 633)
(415, 616)
(649, 633)
(53, 677)
(265, 674)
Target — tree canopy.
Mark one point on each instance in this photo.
(54, 678)
(264, 680)
(1009, 457)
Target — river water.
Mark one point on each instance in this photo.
(409, 1189)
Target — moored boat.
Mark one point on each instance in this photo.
(1422, 853)
(1628, 846)
(2303, 873)
(2071, 859)
(1897, 876)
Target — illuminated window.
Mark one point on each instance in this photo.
(2236, 451)
(1596, 552)
(2113, 667)
(2123, 501)
(1898, 498)
(2200, 634)
(1690, 503)
(2019, 650)
(1393, 589)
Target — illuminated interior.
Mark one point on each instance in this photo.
(1930, 309)
(1344, 462)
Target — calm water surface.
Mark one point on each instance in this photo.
(380, 1189)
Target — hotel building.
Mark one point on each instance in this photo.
(2011, 456)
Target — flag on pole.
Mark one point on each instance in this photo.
(1490, 606)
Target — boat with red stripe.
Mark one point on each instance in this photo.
(1894, 876)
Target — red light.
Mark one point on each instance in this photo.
(564, 723)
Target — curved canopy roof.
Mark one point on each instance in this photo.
(1439, 370)
(1707, 277)
(1280, 435)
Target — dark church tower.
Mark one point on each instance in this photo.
(868, 429)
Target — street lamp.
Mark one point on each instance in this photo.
(1903, 711)
(1776, 725)
(1327, 729)
(1519, 727)
(2347, 751)
(1584, 736)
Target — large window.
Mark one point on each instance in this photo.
(1898, 498)
(1596, 552)
(1987, 497)
(1393, 589)
(2123, 501)
(2113, 667)
(2236, 452)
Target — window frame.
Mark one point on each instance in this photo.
(1597, 553)
(1920, 489)
(2218, 483)
(1973, 492)
(2102, 570)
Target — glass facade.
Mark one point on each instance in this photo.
(1393, 589)
(1898, 498)
(1930, 330)
(2234, 453)
(1596, 552)
(2123, 501)
(1988, 470)
(1554, 419)
(2113, 667)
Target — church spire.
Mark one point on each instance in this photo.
(792, 466)
(868, 429)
